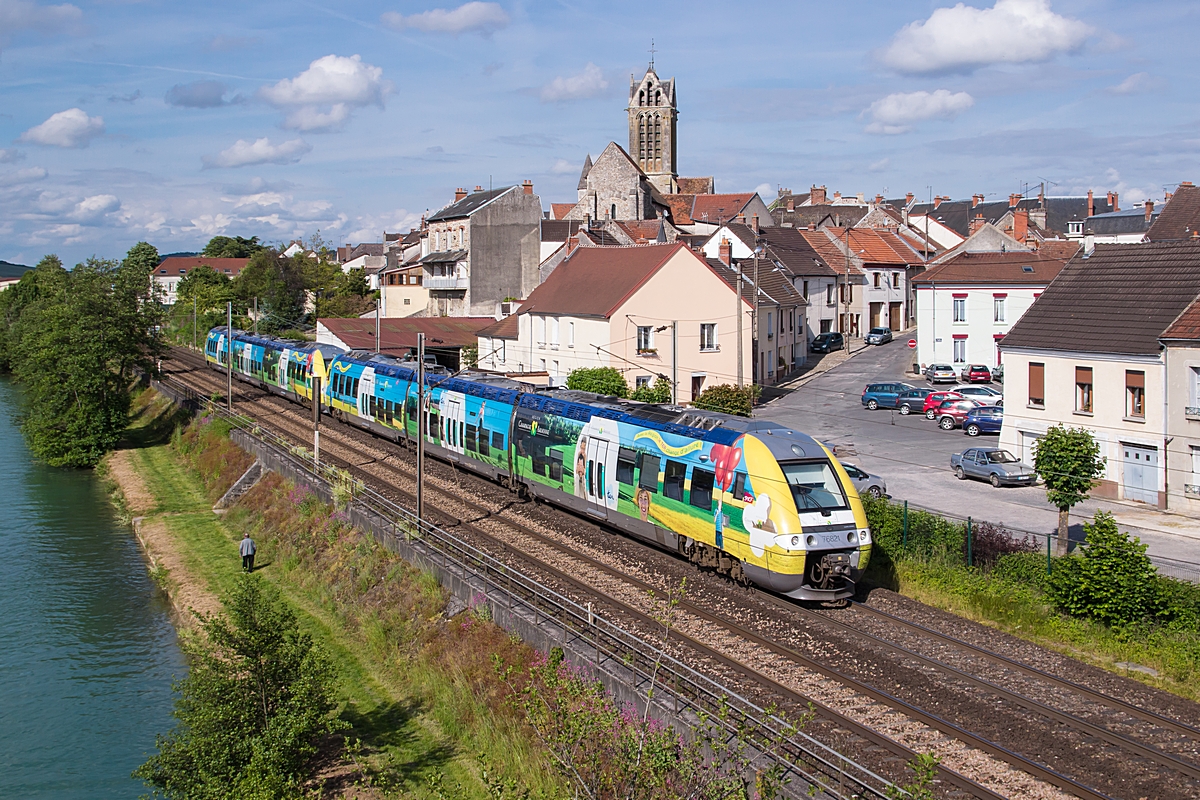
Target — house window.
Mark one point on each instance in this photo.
(1083, 389)
(829, 295)
(895, 280)
(540, 322)
(708, 336)
(554, 333)
(542, 361)
(570, 334)
(642, 381)
(1037, 385)
(960, 350)
(557, 371)
(960, 309)
(1135, 393)
(770, 326)
(502, 348)
(408, 301)
(645, 339)
(875, 279)
(998, 309)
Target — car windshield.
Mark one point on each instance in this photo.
(879, 330)
(1000, 457)
(814, 486)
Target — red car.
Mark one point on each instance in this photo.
(935, 400)
(976, 373)
(951, 413)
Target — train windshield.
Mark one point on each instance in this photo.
(815, 486)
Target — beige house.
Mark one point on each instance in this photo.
(1089, 353)
(646, 310)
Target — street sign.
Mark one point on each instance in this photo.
(912, 344)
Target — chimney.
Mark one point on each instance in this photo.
(837, 195)
(1195, 234)
(1149, 210)
(459, 194)
(741, 218)
(878, 199)
(1020, 224)
(1185, 183)
(1112, 202)
(975, 225)
(726, 253)
(908, 198)
(1091, 204)
(527, 186)
(791, 206)
(1167, 197)
(1013, 200)
(479, 188)
(755, 223)
(812, 226)
(976, 199)
(937, 201)
(817, 196)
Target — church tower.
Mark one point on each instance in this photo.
(652, 118)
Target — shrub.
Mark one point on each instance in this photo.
(1112, 581)
(727, 398)
(989, 542)
(601, 380)
(660, 392)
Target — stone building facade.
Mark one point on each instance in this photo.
(652, 129)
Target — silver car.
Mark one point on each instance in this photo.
(997, 467)
(866, 483)
(941, 373)
(984, 395)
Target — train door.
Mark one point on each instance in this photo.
(600, 466)
(221, 349)
(366, 390)
(454, 421)
(284, 379)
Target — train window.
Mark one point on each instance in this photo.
(498, 440)
(702, 489)
(354, 387)
(673, 479)
(469, 438)
(410, 406)
(739, 485)
(434, 426)
(649, 477)
(626, 461)
(373, 405)
(556, 465)
(483, 441)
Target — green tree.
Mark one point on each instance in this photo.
(601, 380)
(232, 247)
(45, 278)
(278, 284)
(203, 292)
(1113, 581)
(660, 392)
(727, 398)
(258, 697)
(1068, 461)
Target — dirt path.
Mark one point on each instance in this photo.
(188, 594)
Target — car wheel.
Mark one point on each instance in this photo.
(872, 405)
(972, 430)
(905, 410)
(995, 480)
(875, 492)
(930, 415)
(946, 423)
(958, 473)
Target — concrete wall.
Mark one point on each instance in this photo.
(1183, 428)
(404, 300)
(505, 240)
(935, 321)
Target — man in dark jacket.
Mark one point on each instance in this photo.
(247, 549)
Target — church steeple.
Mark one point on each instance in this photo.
(652, 128)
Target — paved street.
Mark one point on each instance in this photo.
(913, 455)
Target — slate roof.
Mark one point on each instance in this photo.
(819, 215)
(398, 334)
(587, 167)
(444, 257)
(174, 266)
(787, 246)
(595, 281)
(366, 249)
(1179, 217)
(996, 269)
(1119, 300)
(1187, 324)
(774, 286)
(559, 230)
(1131, 220)
(957, 214)
(469, 204)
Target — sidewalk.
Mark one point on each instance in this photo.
(1137, 515)
(815, 366)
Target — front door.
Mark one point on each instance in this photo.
(1139, 479)
(876, 313)
(894, 317)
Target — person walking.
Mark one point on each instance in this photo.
(247, 549)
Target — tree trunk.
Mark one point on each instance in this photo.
(1063, 523)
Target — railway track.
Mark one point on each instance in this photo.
(1163, 748)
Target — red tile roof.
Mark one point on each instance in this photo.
(399, 335)
(681, 208)
(830, 251)
(718, 208)
(506, 328)
(1059, 248)
(174, 266)
(996, 269)
(876, 246)
(1186, 325)
(695, 185)
(595, 281)
(560, 210)
(641, 229)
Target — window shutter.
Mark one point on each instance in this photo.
(1037, 383)
(1135, 380)
(1083, 375)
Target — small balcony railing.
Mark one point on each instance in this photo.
(443, 282)
(1192, 412)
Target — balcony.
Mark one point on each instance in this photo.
(1192, 412)
(445, 282)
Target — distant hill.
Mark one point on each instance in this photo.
(8, 270)
(172, 255)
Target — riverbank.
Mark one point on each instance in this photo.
(428, 714)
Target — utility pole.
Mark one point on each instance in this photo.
(420, 426)
(229, 353)
(377, 326)
(195, 338)
(737, 311)
(756, 331)
(846, 338)
(256, 316)
(316, 420)
(675, 361)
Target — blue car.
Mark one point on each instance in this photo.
(883, 395)
(987, 419)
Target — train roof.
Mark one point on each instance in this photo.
(267, 340)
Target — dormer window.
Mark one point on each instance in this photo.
(1027, 268)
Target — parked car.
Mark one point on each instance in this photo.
(865, 482)
(935, 400)
(883, 395)
(940, 373)
(879, 336)
(998, 467)
(951, 413)
(998, 373)
(827, 343)
(976, 373)
(987, 419)
(984, 395)
(912, 400)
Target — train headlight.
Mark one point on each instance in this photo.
(864, 536)
(812, 540)
(795, 541)
(852, 537)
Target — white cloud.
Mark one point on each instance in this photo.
(588, 83)
(563, 167)
(70, 128)
(896, 112)
(963, 38)
(482, 18)
(244, 153)
(18, 15)
(1137, 83)
(10, 155)
(198, 94)
(767, 192)
(22, 176)
(880, 165)
(322, 97)
(92, 209)
(368, 228)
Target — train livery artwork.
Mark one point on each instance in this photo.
(749, 498)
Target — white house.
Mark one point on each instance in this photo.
(173, 269)
(966, 305)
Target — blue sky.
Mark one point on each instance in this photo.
(175, 122)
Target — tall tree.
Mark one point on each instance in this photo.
(1068, 461)
(278, 284)
(232, 247)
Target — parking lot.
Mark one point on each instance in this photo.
(913, 455)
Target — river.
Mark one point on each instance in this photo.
(87, 649)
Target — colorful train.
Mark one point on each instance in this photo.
(749, 498)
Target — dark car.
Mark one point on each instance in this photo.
(878, 336)
(912, 400)
(883, 395)
(827, 342)
(997, 467)
(951, 413)
(987, 419)
(976, 373)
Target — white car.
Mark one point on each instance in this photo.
(984, 395)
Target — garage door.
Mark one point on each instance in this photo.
(1139, 479)
(1028, 441)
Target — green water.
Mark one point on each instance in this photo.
(87, 651)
